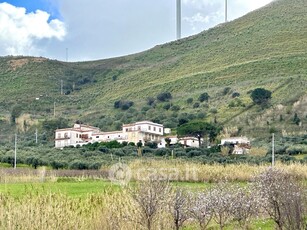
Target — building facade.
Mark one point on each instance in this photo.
(79, 134)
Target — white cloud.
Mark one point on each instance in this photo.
(20, 31)
(203, 14)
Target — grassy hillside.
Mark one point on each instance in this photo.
(265, 48)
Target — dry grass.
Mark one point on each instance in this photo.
(118, 209)
(178, 170)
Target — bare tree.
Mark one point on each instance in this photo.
(222, 200)
(201, 209)
(245, 206)
(282, 197)
(179, 207)
(150, 198)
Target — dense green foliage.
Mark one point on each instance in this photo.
(261, 96)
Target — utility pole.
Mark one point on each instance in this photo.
(66, 54)
(53, 109)
(15, 152)
(61, 87)
(273, 149)
(36, 135)
(226, 11)
(178, 19)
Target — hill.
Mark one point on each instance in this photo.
(265, 48)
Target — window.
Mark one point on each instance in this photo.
(108, 136)
(65, 135)
(126, 129)
(149, 127)
(59, 135)
(139, 127)
(76, 135)
(118, 135)
(154, 129)
(160, 130)
(97, 136)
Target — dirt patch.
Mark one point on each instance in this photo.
(17, 63)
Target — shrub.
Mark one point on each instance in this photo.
(196, 105)
(165, 96)
(122, 104)
(175, 108)
(162, 152)
(167, 106)
(261, 96)
(226, 90)
(151, 144)
(204, 97)
(150, 101)
(190, 100)
(296, 119)
(235, 94)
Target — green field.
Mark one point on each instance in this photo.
(72, 188)
(86, 199)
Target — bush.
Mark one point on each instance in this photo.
(190, 100)
(150, 101)
(196, 105)
(226, 90)
(165, 96)
(162, 152)
(151, 144)
(204, 97)
(175, 108)
(167, 106)
(124, 105)
(261, 96)
(235, 94)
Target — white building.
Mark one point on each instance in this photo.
(190, 141)
(83, 134)
(143, 131)
(235, 140)
(241, 144)
(78, 135)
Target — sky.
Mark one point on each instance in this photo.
(81, 30)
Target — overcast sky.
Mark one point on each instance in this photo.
(97, 29)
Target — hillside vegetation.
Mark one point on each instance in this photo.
(266, 48)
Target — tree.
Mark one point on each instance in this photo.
(282, 197)
(16, 112)
(165, 96)
(122, 104)
(179, 207)
(261, 96)
(204, 97)
(168, 141)
(150, 101)
(199, 130)
(149, 197)
(296, 119)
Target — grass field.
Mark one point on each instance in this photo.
(70, 188)
(102, 204)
